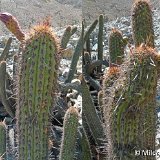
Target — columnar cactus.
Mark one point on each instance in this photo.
(116, 47)
(36, 92)
(75, 57)
(100, 40)
(5, 53)
(92, 118)
(3, 93)
(86, 150)
(142, 23)
(70, 129)
(2, 140)
(67, 35)
(129, 105)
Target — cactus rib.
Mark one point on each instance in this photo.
(36, 92)
(142, 24)
(69, 137)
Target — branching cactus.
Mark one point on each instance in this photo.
(142, 23)
(2, 141)
(36, 92)
(67, 35)
(75, 57)
(116, 47)
(129, 105)
(70, 129)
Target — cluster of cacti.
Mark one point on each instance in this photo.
(36, 85)
(129, 105)
(118, 114)
(129, 93)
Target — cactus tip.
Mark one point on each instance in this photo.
(43, 29)
(114, 70)
(4, 17)
(73, 110)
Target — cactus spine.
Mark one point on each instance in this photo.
(130, 107)
(69, 134)
(142, 24)
(116, 47)
(2, 141)
(36, 89)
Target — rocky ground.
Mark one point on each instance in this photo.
(111, 9)
(28, 13)
(124, 25)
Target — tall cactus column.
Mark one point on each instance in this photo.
(70, 128)
(36, 92)
(130, 107)
(116, 47)
(142, 23)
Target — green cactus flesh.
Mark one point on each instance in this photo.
(92, 118)
(100, 40)
(67, 151)
(142, 23)
(66, 36)
(129, 106)
(116, 47)
(86, 149)
(37, 84)
(75, 57)
(2, 140)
